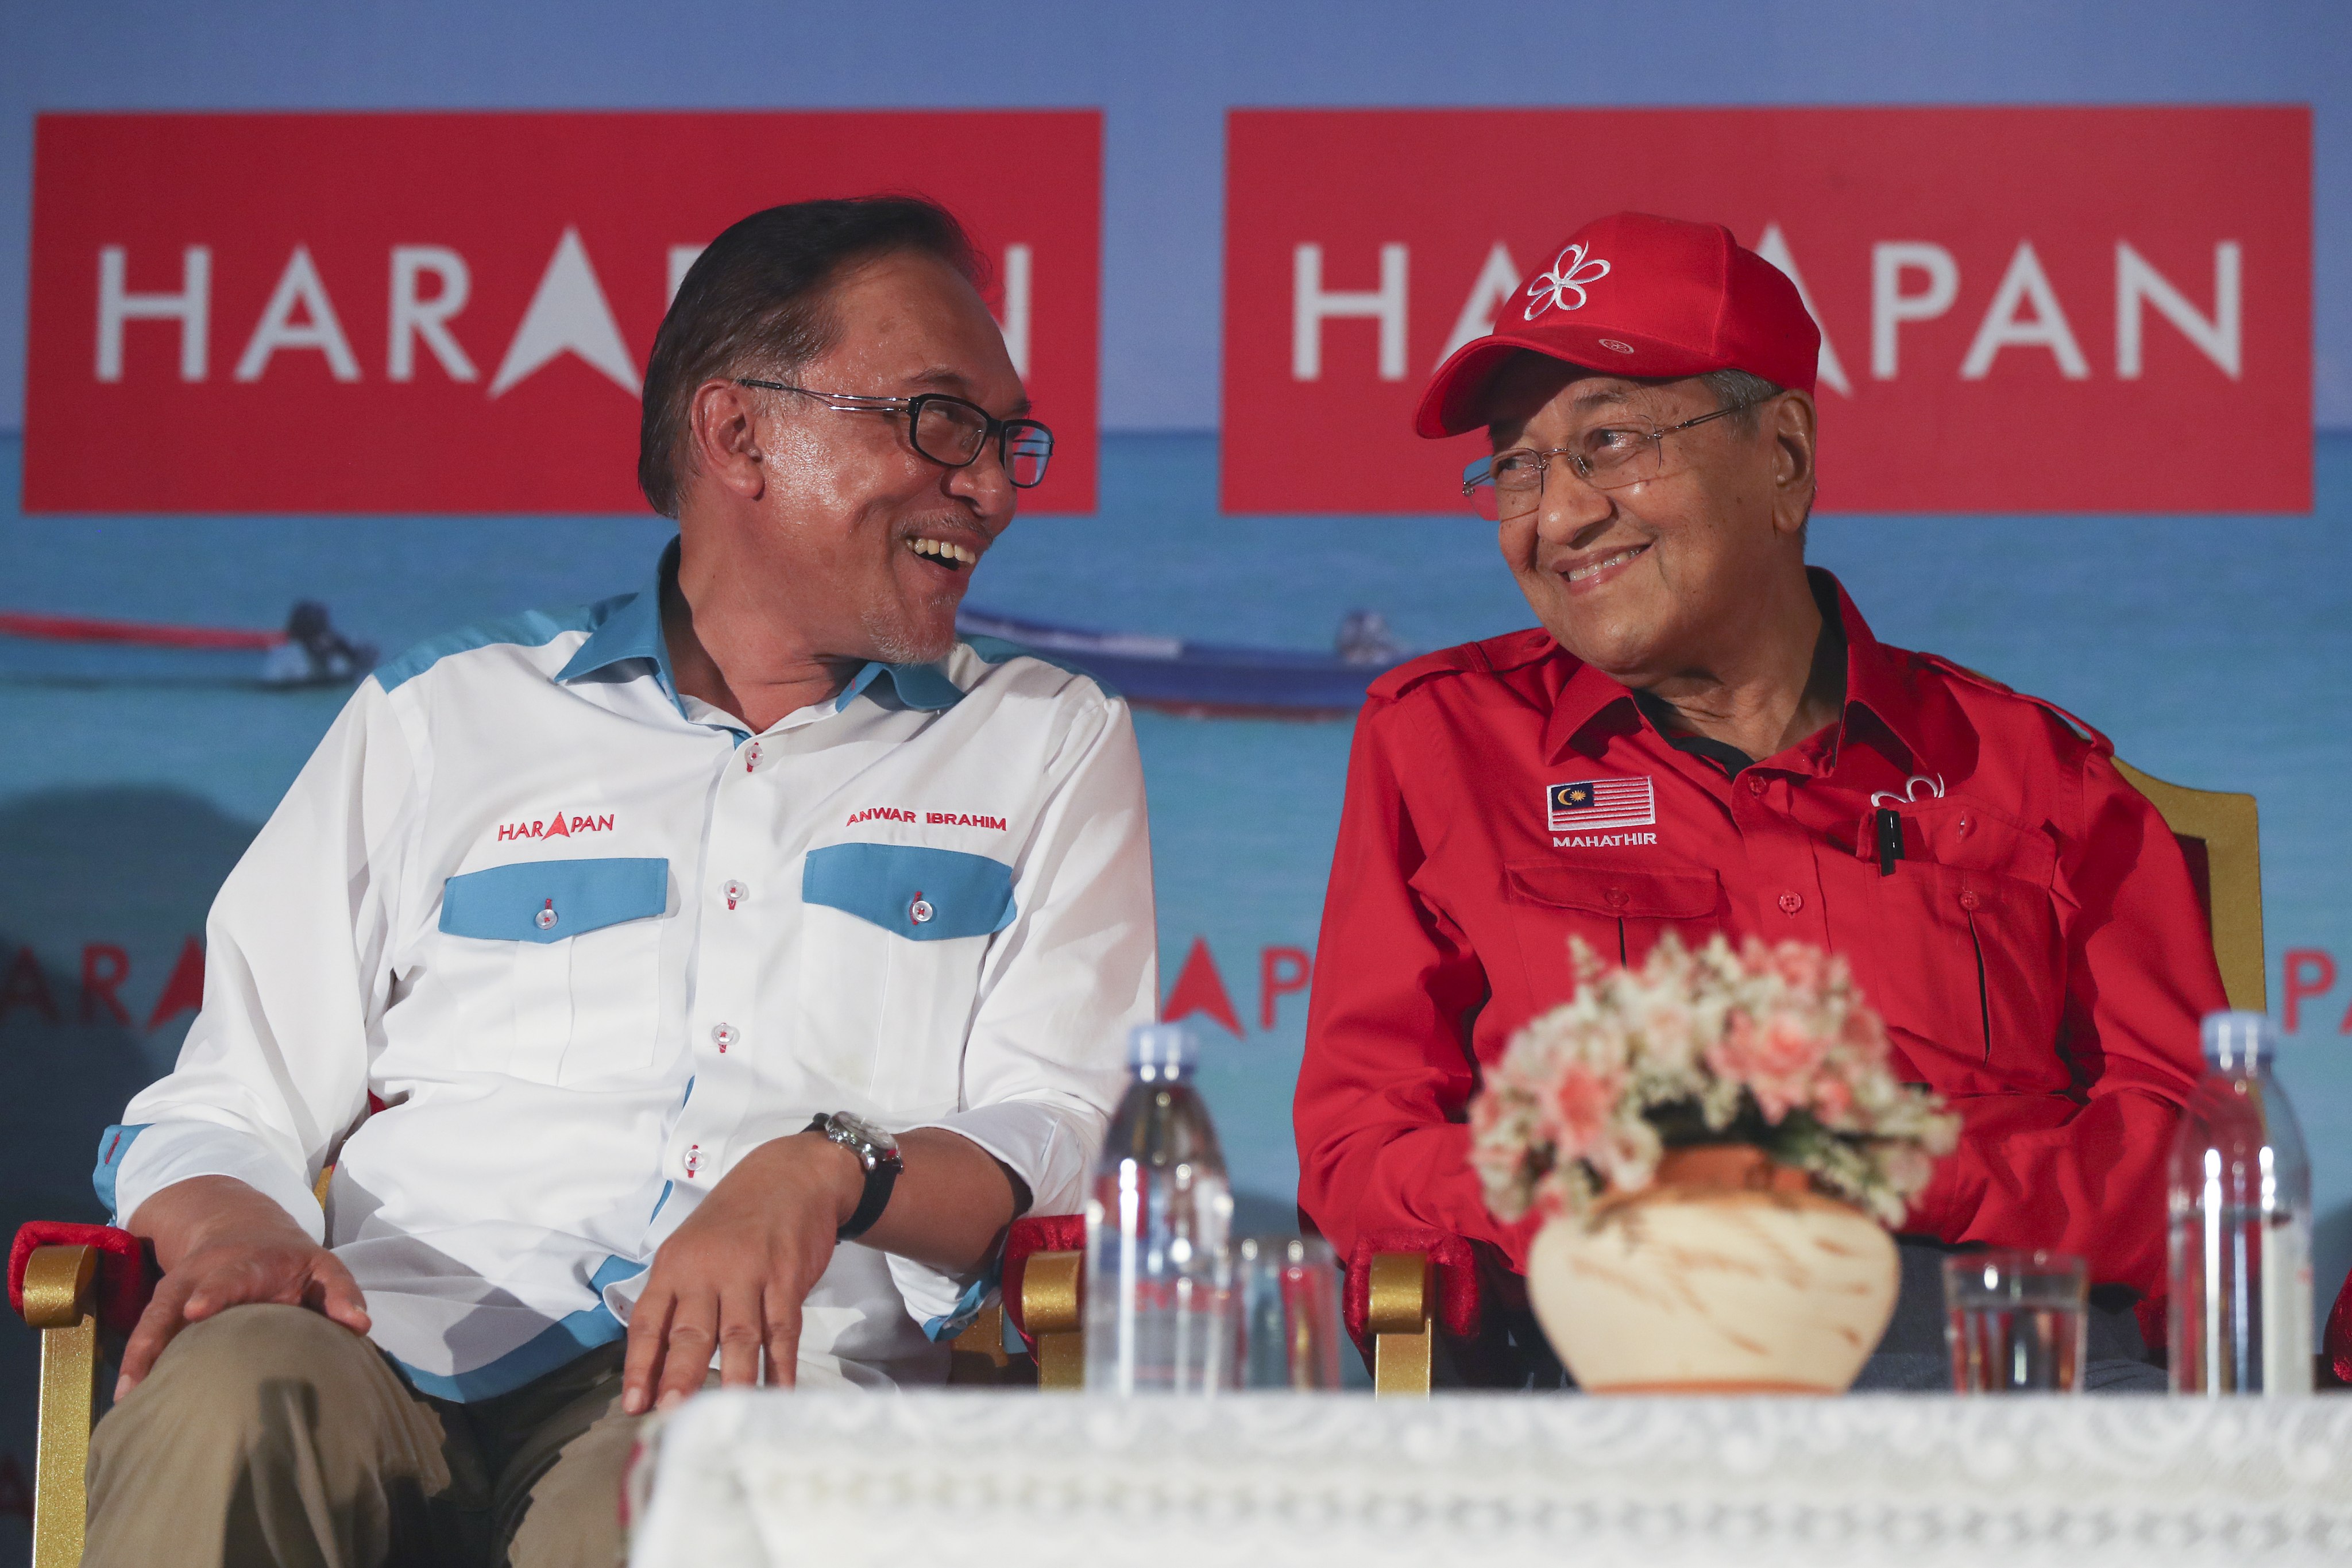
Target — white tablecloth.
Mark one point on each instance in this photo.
(977, 1479)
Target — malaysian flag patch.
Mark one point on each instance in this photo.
(1590, 806)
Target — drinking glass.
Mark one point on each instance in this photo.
(2016, 1321)
(1287, 1289)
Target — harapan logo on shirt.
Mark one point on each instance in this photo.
(561, 824)
(1591, 805)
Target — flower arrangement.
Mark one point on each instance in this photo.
(1771, 1047)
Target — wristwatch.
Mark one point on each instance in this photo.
(878, 1151)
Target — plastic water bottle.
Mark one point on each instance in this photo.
(2241, 1223)
(1158, 1274)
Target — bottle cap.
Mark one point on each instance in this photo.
(2239, 1042)
(1168, 1047)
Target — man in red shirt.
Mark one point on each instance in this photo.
(1703, 736)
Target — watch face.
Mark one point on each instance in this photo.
(881, 1145)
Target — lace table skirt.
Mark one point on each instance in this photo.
(1029, 1481)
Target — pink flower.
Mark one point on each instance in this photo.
(1583, 1100)
(1864, 1035)
(1776, 1061)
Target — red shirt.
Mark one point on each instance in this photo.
(2038, 953)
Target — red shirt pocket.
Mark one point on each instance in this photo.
(1619, 912)
(1967, 968)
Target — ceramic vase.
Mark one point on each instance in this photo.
(1729, 1275)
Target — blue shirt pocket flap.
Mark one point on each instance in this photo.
(927, 895)
(547, 901)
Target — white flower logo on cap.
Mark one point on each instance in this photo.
(1571, 271)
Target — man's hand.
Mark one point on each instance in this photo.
(733, 1276)
(224, 1245)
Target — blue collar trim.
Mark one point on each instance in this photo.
(923, 686)
(632, 629)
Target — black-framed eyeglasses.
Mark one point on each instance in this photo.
(948, 430)
(1607, 458)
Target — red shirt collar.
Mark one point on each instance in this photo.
(1880, 680)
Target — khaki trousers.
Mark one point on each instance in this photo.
(268, 1434)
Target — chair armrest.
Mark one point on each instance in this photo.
(1058, 1233)
(1402, 1286)
(119, 1287)
(1044, 1295)
(1458, 1308)
(75, 1283)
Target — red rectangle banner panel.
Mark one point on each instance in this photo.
(2023, 310)
(451, 312)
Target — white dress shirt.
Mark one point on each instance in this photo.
(534, 951)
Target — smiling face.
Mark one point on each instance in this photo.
(1655, 579)
(860, 542)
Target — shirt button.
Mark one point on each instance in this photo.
(736, 892)
(1791, 902)
(750, 756)
(1614, 898)
(1968, 898)
(1755, 783)
(724, 1036)
(545, 918)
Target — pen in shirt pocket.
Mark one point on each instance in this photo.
(1887, 822)
(1890, 839)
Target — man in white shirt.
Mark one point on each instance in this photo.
(696, 983)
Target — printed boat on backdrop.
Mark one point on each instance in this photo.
(1203, 680)
(89, 650)
(1170, 675)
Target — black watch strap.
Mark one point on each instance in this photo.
(880, 1177)
(878, 1182)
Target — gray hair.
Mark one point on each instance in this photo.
(1742, 388)
(1745, 389)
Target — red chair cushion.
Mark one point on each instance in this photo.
(125, 1281)
(1457, 1280)
(1041, 1233)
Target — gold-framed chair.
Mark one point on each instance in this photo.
(82, 1287)
(2219, 834)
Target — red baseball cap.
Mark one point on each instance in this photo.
(1635, 295)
